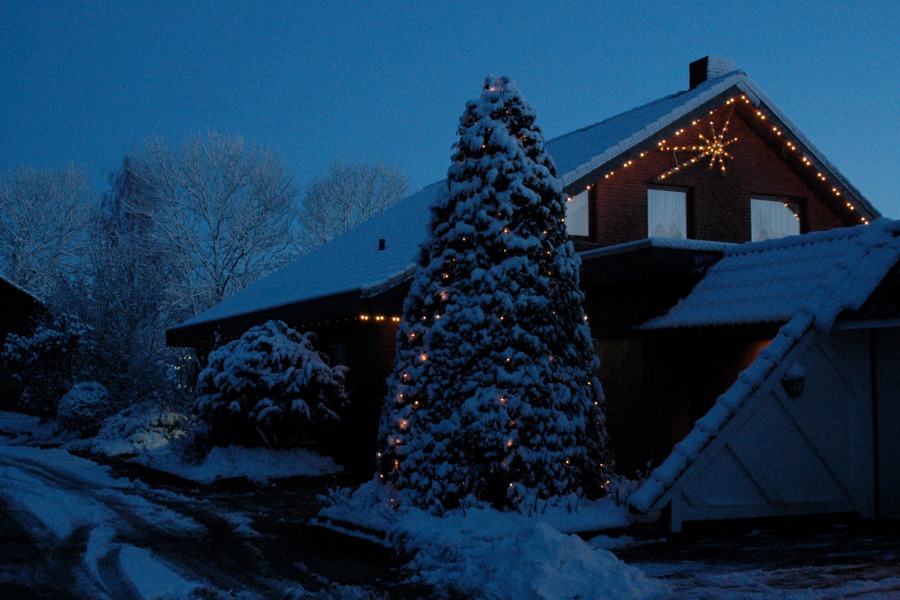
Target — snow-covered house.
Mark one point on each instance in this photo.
(18, 310)
(657, 195)
(810, 425)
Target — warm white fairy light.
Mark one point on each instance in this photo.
(663, 144)
(713, 148)
(378, 318)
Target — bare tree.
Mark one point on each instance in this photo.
(347, 195)
(215, 213)
(44, 218)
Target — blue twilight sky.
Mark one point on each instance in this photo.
(84, 81)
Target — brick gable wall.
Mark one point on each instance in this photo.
(718, 204)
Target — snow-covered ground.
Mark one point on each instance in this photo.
(57, 497)
(806, 562)
(70, 527)
(105, 536)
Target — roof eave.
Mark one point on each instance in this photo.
(334, 307)
(759, 99)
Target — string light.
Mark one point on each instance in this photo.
(788, 144)
(713, 148)
(377, 318)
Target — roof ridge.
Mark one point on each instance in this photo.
(707, 83)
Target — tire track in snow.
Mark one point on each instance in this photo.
(79, 510)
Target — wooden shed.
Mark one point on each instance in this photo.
(809, 427)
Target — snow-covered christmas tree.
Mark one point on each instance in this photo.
(494, 395)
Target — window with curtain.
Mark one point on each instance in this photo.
(577, 213)
(666, 213)
(773, 219)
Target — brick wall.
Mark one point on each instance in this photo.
(718, 204)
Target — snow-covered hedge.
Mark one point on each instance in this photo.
(270, 387)
(84, 408)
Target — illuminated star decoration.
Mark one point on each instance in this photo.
(713, 148)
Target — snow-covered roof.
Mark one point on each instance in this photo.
(18, 287)
(845, 267)
(765, 282)
(352, 261)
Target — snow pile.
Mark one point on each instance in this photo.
(255, 464)
(152, 436)
(16, 424)
(140, 428)
(480, 552)
(498, 555)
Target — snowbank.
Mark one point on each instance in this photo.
(255, 464)
(146, 432)
(479, 552)
(486, 554)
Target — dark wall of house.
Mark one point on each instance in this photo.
(367, 347)
(657, 387)
(718, 204)
(17, 313)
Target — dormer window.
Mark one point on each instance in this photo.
(577, 215)
(773, 218)
(666, 213)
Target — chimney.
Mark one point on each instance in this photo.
(708, 68)
(382, 244)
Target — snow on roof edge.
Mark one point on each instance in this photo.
(880, 245)
(658, 242)
(727, 81)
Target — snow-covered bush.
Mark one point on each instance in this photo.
(494, 394)
(84, 408)
(46, 363)
(270, 387)
(139, 428)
